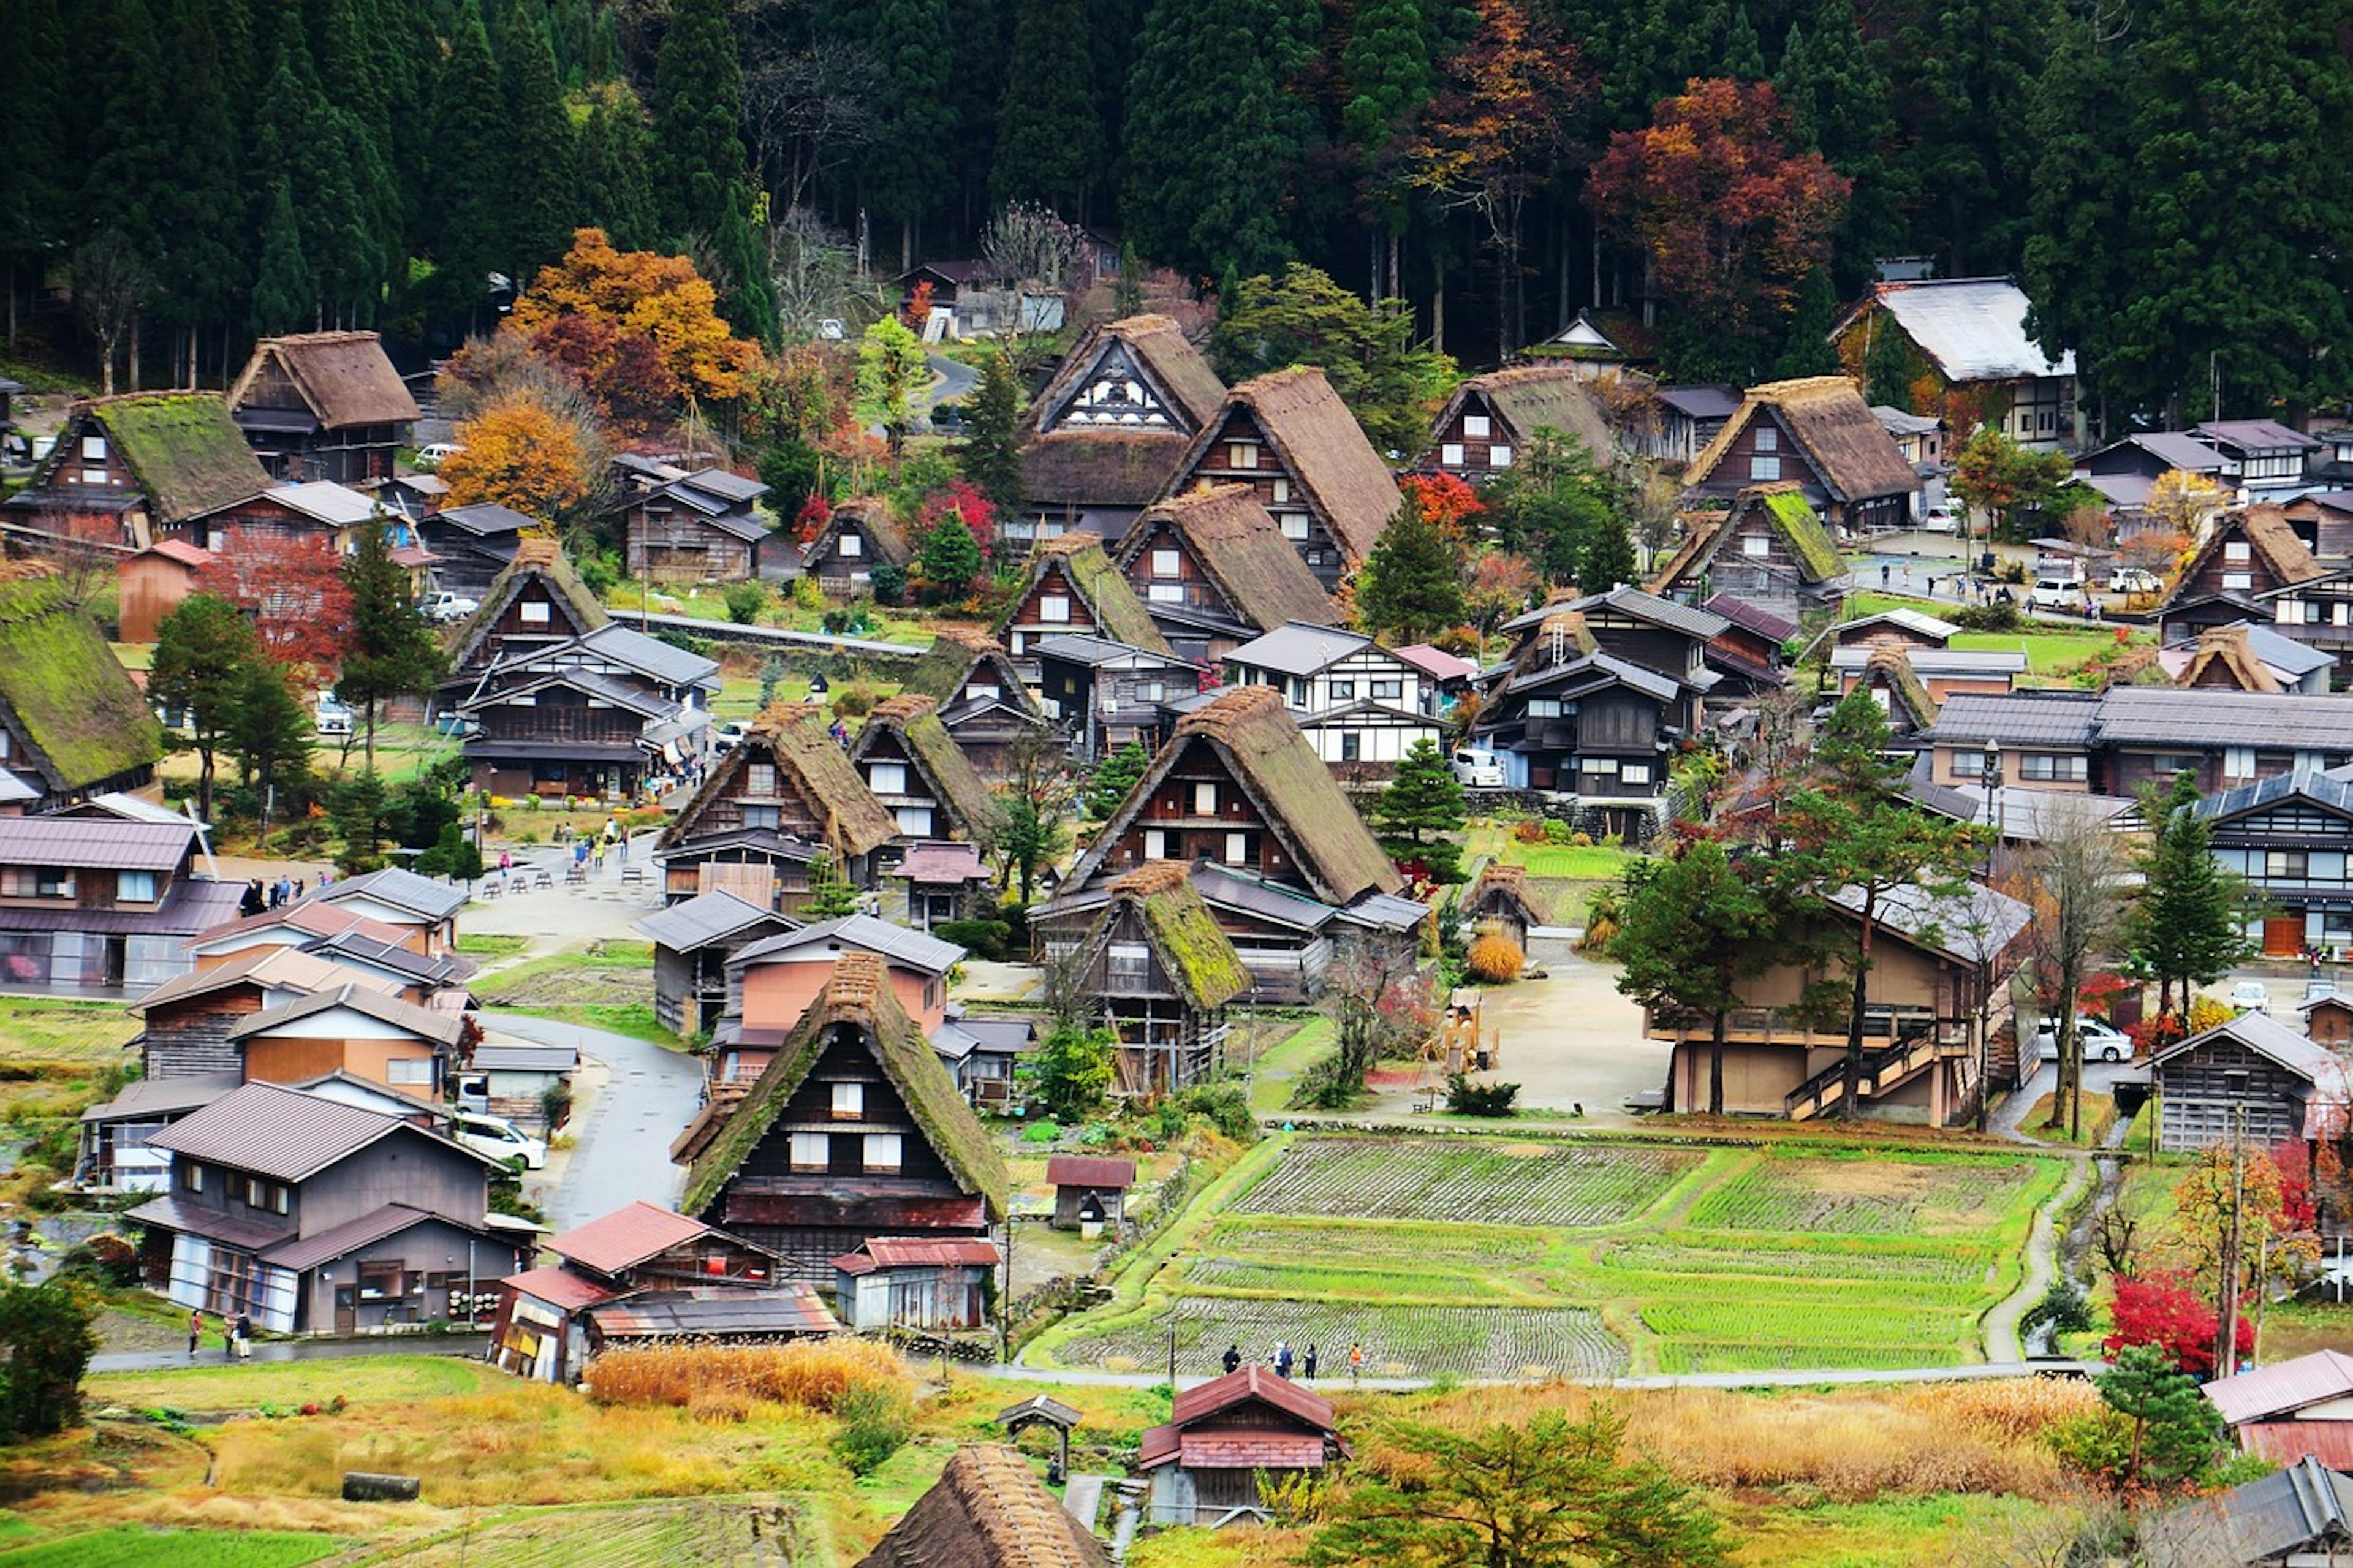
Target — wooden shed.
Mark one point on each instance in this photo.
(2328, 1020)
(1227, 1439)
(1089, 1189)
(921, 1283)
(1500, 901)
(2292, 1090)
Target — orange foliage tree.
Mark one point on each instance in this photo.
(615, 317)
(293, 587)
(520, 455)
(1447, 503)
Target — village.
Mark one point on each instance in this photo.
(1530, 784)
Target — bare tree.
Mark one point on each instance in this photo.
(110, 282)
(806, 107)
(1030, 247)
(813, 269)
(2072, 884)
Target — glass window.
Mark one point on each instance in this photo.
(1054, 607)
(1237, 848)
(915, 821)
(1165, 564)
(1156, 843)
(535, 613)
(410, 1070)
(2286, 863)
(1351, 746)
(1165, 593)
(2238, 579)
(1387, 690)
(1242, 455)
(134, 887)
(1281, 489)
(1769, 440)
(848, 543)
(809, 1151)
(2238, 550)
(2238, 761)
(760, 778)
(1543, 708)
(192, 1176)
(1756, 544)
(1765, 469)
(94, 448)
(1634, 772)
(850, 1099)
(1344, 692)
(1129, 960)
(881, 1152)
(766, 816)
(1294, 525)
(2044, 765)
(1499, 456)
(1968, 763)
(1450, 454)
(380, 1281)
(1474, 426)
(1205, 800)
(887, 778)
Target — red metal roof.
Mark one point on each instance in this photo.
(915, 1252)
(626, 1238)
(1237, 1448)
(2286, 1387)
(943, 863)
(1158, 1447)
(1090, 1171)
(717, 1314)
(559, 1288)
(180, 550)
(1252, 1382)
(2285, 1442)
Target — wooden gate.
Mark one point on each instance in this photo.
(2283, 936)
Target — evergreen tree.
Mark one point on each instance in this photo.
(202, 651)
(1691, 929)
(831, 895)
(1409, 587)
(1214, 132)
(616, 191)
(2076, 269)
(1837, 92)
(1744, 56)
(469, 180)
(36, 203)
(270, 735)
(2175, 1430)
(393, 652)
(698, 106)
(359, 811)
(1605, 553)
(1113, 777)
(1050, 136)
(539, 167)
(202, 227)
(2187, 928)
(949, 561)
(1969, 86)
(283, 292)
(129, 168)
(1807, 351)
(1026, 840)
(1389, 78)
(991, 457)
(904, 170)
(48, 1334)
(1415, 816)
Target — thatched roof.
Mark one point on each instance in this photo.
(2224, 657)
(342, 377)
(856, 995)
(871, 517)
(1785, 506)
(947, 667)
(188, 455)
(915, 722)
(537, 556)
(1538, 397)
(1197, 955)
(1230, 537)
(68, 695)
(1840, 436)
(987, 1509)
(1172, 366)
(1505, 883)
(1090, 466)
(1892, 667)
(1324, 449)
(2266, 528)
(1254, 733)
(795, 737)
(1118, 612)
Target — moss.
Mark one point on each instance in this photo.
(188, 455)
(1118, 612)
(76, 703)
(1807, 538)
(1199, 955)
(946, 766)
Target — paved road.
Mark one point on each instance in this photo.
(469, 1345)
(951, 378)
(622, 1148)
(1785, 1378)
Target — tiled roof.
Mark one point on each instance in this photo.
(2256, 434)
(276, 968)
(310, 1251)
(193, 1219)
(917, 1252)
(896, 943)
(626, 1238)
(938, 863)
(2301, 1514)
(2060, 718)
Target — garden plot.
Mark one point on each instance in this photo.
(1884, 1195)
(1573, 1186)
(1400, 1341)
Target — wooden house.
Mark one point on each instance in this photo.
(853, 1131)
(1161, 973)
(1089, 1189)
(1074, 588)
(936, 883)
(316, 1216)
(1360, 706)
(1228, 1440)
(2328, 1020)
(2244, 656)
(1899, 628)
(983, 703)
(471, 546)
(692, 943)
(102, 908)
(2114, 741)
(1687, 419)
(1943, 671)
(113, 1156)
(2287, 1412)
(72, 722)
(2246, 553)
(987, 1510)
(1751, 654)
(1935, 963)
(2261, 456)
(2294, 1089)
(1501, 904)
(1100, 695)
(593, 716)
(358, 1029)
(1104, 437)
(643, 1274)
(188, 1022)
(2288, 838)
(323, 405)
(1980, 367)
(1214, 571)
(152, 584)
(1289, 439)
(2317, 613)
(915, 770)
(859, 536)
(772, 982)
(916, 1284)
(127, 471)
(534, 603)
(701, 526)
(1818, 433)
(426, 909)
(1767, 549)
(2324, 519)
(767, 809)
(1283, 860)
(1490, 419)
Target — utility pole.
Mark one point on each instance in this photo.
(2226, 1329)
(1005, 1297)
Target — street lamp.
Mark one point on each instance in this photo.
(1992, 760)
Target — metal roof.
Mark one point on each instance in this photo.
(1234, 889)
(669, 665)
(2301, 1514)
(915, 949)
(14, 791)
(359, 996)
(283, 1134)
(1973, 328)
(2152, 715)
(1630, 601)
(193, 904)
(95, 843)
(129, 809)
(1969, 925)
(1436, 662)
(2282, 1386)
(1931, 662)
(917, 1252)
(325, 500)
(790, 1309)
(559, 1288)
(1901, 422)
(164, 1096)
(1706, 402)
(2175, 449)
(1742, 613)
(402, 889)
(1090, 1171)
(522, 1056)
(271, 968)
(1078, 648)
(2282, 652)
(2021, 717)
(1919, 623)
(2332, 787)
(1650, 682)
(352, 945)
(485, 518)
(626, 1238)
(2323, 1069)
(310, 1251)
(706, 918)
(2255, 436)
(215, 1224)
(938, 863)
(1296, 648)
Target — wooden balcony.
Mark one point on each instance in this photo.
(1786, 1026)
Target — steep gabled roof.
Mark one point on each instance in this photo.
(1252, 730)
(915, 722)
(1497, 880)
(1172, 366)
(2266, 528)
(540, 558)
(1840, 436)
(1534, 397)
(1893, 665)
(71, 696)
(1099, 585)
(189, 456)
(2227, 648)
(872, 514)
(1199, 959)
(1324, 448)
(945, 668)
(1784, 506)
(1231, 538)
(794, 736)
(856, 995)
(342, 377)
(1970, 329)
(987, 1510)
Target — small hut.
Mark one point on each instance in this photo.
(1500, 904)
(1089, 1190)
(2328, 1020)
(924, 1283)
(1043, 1410)
(1227, 1440)
(987, 1509)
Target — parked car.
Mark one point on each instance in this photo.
(439, 453)
(500, 1139)
(1940, 520)
(1480, 769)
(2135, 580)
(2103, 1041)
(2251, 997)
(329, 716)
(445, 606)
(728, 736)
(2058, 594)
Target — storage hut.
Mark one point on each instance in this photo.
(1089, 1189)
(1227, 1440)
(1500, 902)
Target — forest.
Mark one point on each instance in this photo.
(2161, 175)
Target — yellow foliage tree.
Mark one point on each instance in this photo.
(518, 455)
(640, 294)
(2183, 501)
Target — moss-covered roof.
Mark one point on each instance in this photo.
(1499, 883)
(1119, 614)
(1894, 666)
(1808, 539)
(68, 694)
(795, 737)
(189, 456)
(858, 995)
(916, 720)
(1195, 951)
(537, 556)
(946, 667)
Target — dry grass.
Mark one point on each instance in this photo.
(726, 1383)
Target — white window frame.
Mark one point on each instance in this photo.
(1054, 608)
(1499, 456)
(1156, 843)
(1205, 800)
(1242, 454)
(848, 544)
(1167, 563)
(413, 1071)
(1768, 438)
(1237, 848)
(887, 778)
(882, 1151)
(849, 1100)
(810, 1150)
(1450, 454)
(1475, 428)
(1755, 545)
(1764, 469)
(534, 612)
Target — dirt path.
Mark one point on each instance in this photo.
(2002, 1342)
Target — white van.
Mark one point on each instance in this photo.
(2058, 594)
(499, 1138)
(1477, 769)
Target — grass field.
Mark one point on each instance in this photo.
(610, 985)
(1563, 877)
(1489, 1257)
(136, 1547)
(2051, 651)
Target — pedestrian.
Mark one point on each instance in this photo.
(1232, 1361)
(506, 865)
(1308, 1366)
(580, 852)
(326, 878)
(1356, 1361)
(298, 888)
(254, 901)
(2097, 611)
(228, 1338)
(1283, 1360)
(600, 854)
(621, 849)
(1882, 573)
(195, 1332)
(244, 1337)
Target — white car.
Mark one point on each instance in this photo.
(445, 606)
(439, 453)
(1480, 769)
(2135, 580)
(330, 717)
(500, 1139)
(1940, 520)
(2058, 594)
(2251, 997)
(2103, 1041)
(728, 736)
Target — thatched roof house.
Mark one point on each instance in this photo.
(1486, 426)
(539, 576)
(859, 535)
(342, 379)
(1074, 588)
(1291, 425)
(1818, 432)
(1106, 434)
(1231, 563)
(906, 729)
(1197, 958)
(963, 662)
(76, 723)
(987, 1509)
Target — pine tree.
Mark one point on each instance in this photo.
(616, 191)
(393, 652)
(35, 204)
(2187, 928)
(270, 735)
(903, 170)
(468, 160)
(283, 292)
(1839, 104)
(991, 457)
(1025, 840)
(831, 895)
(1806, 350)
(1113, 777)
(1744, 57)
(202, 650)
(697, 106)
(1605, 553)
(1969, 86)
(1389, 77)
(356, 811)
(1690, 928)
(1421, 808)
(201, 225)
(1409, 586)
(1050, 134)
(539, 167)
(2077, 266)
(948, 562)
(130, 166)
(2175, 1430)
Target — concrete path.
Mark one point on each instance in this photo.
(2002, 1340)
(1784, 1378)
(622, 1149)
(952, 379)
(279, 1351)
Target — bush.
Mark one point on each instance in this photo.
(807, 594)
(1532, 830)
(1495, 960)
(49, 1332)
(984, 940)
(1993, 617)
(745, 601)
(854, 700)
(1464, 1098)
(815, 1375)
(876, 1423)
(890, 585)
(1225, 1107)
(600, 574)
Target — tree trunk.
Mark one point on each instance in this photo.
(134, 350)
(1716, 1068)
(1853, 1106)
(1438, 303)
(371, 734)
(204, 782)
(1396, 245)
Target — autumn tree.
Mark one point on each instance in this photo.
(1729, 221)
(637, 328)
(2182, 503)
(2009, 484)
(292, 586)
(891, 371)
(519, 455)
(1409, 587)
(1502, 586)
(2072, 883)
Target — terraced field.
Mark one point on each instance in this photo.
(1491, 1258)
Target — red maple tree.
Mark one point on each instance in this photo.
(2162, 1310)
(292, 585)
(1447, 501)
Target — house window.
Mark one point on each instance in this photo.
(1237, 848)
(1344, 692)
(1634, 773)
(2048, 767)
(807, 1150)
(1598, 764)
(1351, 746)
(760, 778)
(1281, 490)
(1205, 800)
(94, 448)
(1543, 707)
(1450, 454)
(192, 1177)
(1165, 593)
(2238, 552)
(1763, 469)
(887, 778)
(849, 1100)
(266, 1196)
(1165, 564)
(2238, 580)
(1128, 961)
(1756, 544)
(2238, 761)
(1156, 843)
(915, 821)
(1242, 455)
(1499, 456)
(37, 882)
(762, 816)
(882, 1153)
(134, 887)
(1299, 691)
(931, 994)
(2286, 864)
(412, 1070)
(380, 1281)
(1387, 690)
(1150, 690)
(2165, 764)
(1968, 763)
(535, 613)
(1054, 607)
(2289, 611)
(93, 476)
(1769, 440)
(1294, 525)
(1474, 427)
(849, 544)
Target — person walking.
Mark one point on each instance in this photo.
(1308, 1366)
(244, 1337)
(195, 1332)
(506, 865)
(1882, 573)
(1232, 1359)
(1357, 1361)
(1283, 1360)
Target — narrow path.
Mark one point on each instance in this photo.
(2002, 1342)
(621, 1144)
(1788, 1377)
(269, 1352)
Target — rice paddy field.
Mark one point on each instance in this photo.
(1491, 1258)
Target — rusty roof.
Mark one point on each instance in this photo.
(1252, 1382)
(559, 1288)
(716, 1313)
(1090, 1171)
(916, 1252)
(626, 1238)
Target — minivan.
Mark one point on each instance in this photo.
(2058, 594)
(1477, 769)
(499, 1138)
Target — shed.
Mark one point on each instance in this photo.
(2303, 1514)
(987, 1510)
(2292, 1088)
(2291, 1410)
(2328, 1020)
(1500, 897)
(692, 943)
(928, 1284)
(1043, 1409)
(1089, 1189)
(1227, 1439)
(513, 1078)
(153, 582)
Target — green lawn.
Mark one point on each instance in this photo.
(132, 1546)
(35, 1028)
(2051, 652)
(1283, 1059)
(480, 944)
(610, 985)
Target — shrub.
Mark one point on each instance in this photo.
(815, 1375)
(1225, 1107)
(600, 574)
(745, 601)
(876, 1423)
(1464, 1098)
(807, 594)
(889, 582)
(854, 700)
(1530, 830)
(1993, 617)
(1495, 960)
(1581, 841)
(986, 940)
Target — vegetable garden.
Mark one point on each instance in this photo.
(1498, 1259)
